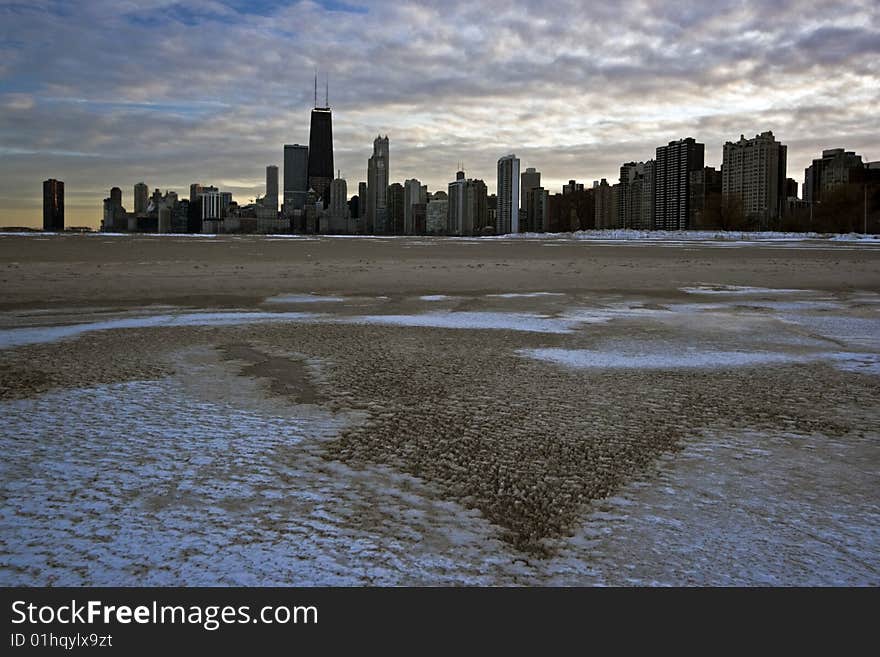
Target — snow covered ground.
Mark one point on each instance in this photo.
(199, 478)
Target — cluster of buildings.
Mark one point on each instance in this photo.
(672, 191)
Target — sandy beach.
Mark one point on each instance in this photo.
(256, 410)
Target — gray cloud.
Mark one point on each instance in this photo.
(102, 92)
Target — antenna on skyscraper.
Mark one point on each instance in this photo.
(327, 92)
(316, 87)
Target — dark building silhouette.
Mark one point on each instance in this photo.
(673, 168)
(396, 198)
(572, 210)
(705, 198)
(321, 153)
(53, 205)
(296, 177)
(836, 167)
(116, 196)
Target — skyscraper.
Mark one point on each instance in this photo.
(338, 214)
(362, 202)
(414, 194)
(537, 210)
(271, 199)
(378, 168)
(467, 208)
(529, 179)
(602, 204)
(141, 197)
(705, 203)
(753, 172)
(508, 195)
(836, 166)
(53, 205)
(296, 177)
(674, 164)
(635, 203)
(321, 148)
(396, 211)
(437, 214)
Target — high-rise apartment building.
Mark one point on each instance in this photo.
(753, 173)
(836, 167)
(508, 182)
(635, 202)
(674, 163)
(537, 209)
(378, 168)
(602, 204)
(705, 191)
(53, 205)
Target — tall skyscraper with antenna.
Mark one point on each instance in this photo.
(321, 146)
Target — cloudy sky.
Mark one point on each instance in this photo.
(110, 92)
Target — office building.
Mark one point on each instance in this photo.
(529, 179)
(53, 205)
(296, 177)
(337, 217)
(437, 214)
(321, 151)
(537, 209)
(414, 194)
(467, 206)
(396, 198)
(141, 198)
(270, 201)
(378, 168)
(508, 182)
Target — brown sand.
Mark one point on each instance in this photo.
(526, 443)
(139, 270)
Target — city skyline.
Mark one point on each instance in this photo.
(598, 96)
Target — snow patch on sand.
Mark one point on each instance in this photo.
(660, 359)
(474, 320)
(738, 289)
(526, 295)
(17, 337)
(302, 298)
